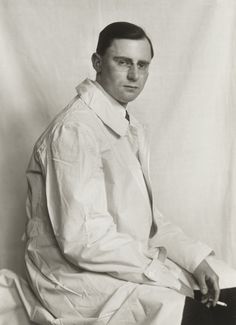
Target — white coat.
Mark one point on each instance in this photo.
(98, 251)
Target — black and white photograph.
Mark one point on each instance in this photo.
(117, 162)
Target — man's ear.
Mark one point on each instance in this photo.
(97, 62)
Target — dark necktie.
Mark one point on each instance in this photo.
(127, 116)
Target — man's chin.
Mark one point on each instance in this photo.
(125, 100)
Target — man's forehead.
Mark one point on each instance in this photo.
(134, 49)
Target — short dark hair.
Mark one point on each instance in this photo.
(120, 30)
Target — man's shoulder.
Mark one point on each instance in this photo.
(75, 113)
(75, 118)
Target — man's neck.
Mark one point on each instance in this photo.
(101, 87)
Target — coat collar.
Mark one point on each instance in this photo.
(106, 107)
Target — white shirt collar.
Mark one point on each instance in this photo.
(106, 107)
(120, 108)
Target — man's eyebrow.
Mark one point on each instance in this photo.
(144, 61)
(129, 59)
(123, 58)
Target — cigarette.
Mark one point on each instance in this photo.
(220, 303)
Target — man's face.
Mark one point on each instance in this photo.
(124, 69)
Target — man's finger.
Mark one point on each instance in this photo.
(216, 289)
(204, 299)
(202, 284)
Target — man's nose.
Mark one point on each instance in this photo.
(133, 73)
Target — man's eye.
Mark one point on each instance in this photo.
(142, 65)
(122, 62)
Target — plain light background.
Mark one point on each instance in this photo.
(188, 104)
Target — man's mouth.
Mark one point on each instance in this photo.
(131, 87)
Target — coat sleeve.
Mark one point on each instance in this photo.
(182, 249)
(77, 206)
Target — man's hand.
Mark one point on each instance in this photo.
(208, 282)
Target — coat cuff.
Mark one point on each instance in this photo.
(200, 252)
(161, 275)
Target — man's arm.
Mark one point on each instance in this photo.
(83, 227)
(182, 249)
(189, 254)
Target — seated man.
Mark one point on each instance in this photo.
(98, 250)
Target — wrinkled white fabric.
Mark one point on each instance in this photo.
(18, 304)
(94, 239)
